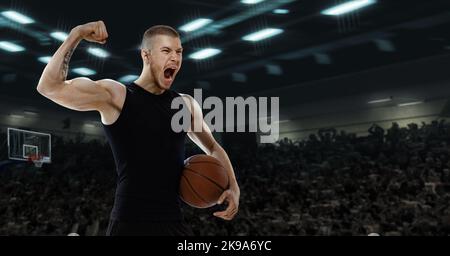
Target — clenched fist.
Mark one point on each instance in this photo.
(92, 32)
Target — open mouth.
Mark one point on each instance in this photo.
(169, 73)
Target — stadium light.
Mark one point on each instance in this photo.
(410, 103)
(45, 59)
(204, 53)
(84, 71)
(348, 7)
(58, 35)
(281, 11)
(251, 1)
(196, 24)
(17, 17)
(379, 101)
(283, 121)
(16, 116)
(89, 125)
(30, 112)
(128, 78)
(11, 47)
(262, 34)
(98, 52)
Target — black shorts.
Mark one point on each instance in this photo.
(155, 228)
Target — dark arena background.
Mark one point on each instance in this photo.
(364, 130)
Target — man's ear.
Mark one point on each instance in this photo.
(145, 54)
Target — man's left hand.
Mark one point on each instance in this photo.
(232, 197)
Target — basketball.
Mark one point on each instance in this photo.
(203, 181)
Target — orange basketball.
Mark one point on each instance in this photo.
(203, 181)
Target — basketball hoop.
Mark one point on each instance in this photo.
(37, 160)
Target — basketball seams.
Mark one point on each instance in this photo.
(201, 180)
(193, 190)
(203, 158)
(206, 177)
(191, 164)
(202, 162)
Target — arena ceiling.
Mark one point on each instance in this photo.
(310, 46)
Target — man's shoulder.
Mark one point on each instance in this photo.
(110, 82)
(185, 96)
(116, 90)
(112, 86)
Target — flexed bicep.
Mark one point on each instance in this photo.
(82, 94)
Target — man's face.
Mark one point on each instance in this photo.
(165, 58)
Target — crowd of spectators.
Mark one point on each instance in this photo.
(393, 182)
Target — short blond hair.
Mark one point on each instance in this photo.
(157, 30)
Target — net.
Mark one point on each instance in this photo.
(37, 160)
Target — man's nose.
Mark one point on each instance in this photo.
(175, 57)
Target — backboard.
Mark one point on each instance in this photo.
(23, 144)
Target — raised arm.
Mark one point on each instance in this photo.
(82, 93)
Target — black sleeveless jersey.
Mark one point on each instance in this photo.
(149, 157)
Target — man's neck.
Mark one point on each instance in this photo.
(149, 85)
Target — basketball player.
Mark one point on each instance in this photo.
(149, 155)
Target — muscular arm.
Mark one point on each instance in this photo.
(204, 139)
(55, 73)
(82, 93)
